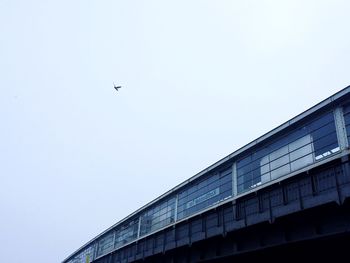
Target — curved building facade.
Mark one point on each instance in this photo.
(315, 137)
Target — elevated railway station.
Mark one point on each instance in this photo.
(286, 190)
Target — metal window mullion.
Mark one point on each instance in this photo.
(289, 161)
(114, 236)
(340, 128)
(269, 163)
(96, 249)
(139, 228)
(234, 179)
(176, 205)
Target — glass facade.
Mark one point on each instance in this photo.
(205, 193)
(346, 111)
(126, 233)
(281, 155)
(83, 257)
(299, 148)
(158, 216)
(105, 244)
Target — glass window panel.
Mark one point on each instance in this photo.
(278, 153)
(225, 173)
(323, 131)
(126, 233)
(265, 169)
(203, 197)
(214, 185)
(255, 165)
(260, 153)
(306, 140)
(346, 109)
(299, 148)
(256, 181)
(226, 179)
(265, 177)
(105, 244)
(180, 208)
(205, 193)
(202, 184)
(247, 180)
(225, 187)
(213, 178)
(240, 188)
(332, 149)
(302, 162)
(83, 257)
(162, 214)
(279, 162)
(256, 174)
(243, 170)
(324, 145)
(347, 118)
(348, 130)
(296, 135)
(325, 119)
(164, 205)
(280, 143)
(280, 171)
(240, 180)
(182, 194)
(265, 160)
(192, 189)
(307, 149)
(244, 161)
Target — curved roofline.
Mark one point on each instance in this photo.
(328, 101)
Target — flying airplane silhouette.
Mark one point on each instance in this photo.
(116, 87)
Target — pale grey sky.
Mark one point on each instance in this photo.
(200, 79)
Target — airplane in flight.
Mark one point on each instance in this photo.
(117, 87)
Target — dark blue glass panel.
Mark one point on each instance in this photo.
(316, 139)
(205, 193)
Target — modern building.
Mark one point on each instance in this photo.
(298, 167)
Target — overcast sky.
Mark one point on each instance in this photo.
(200, 79)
